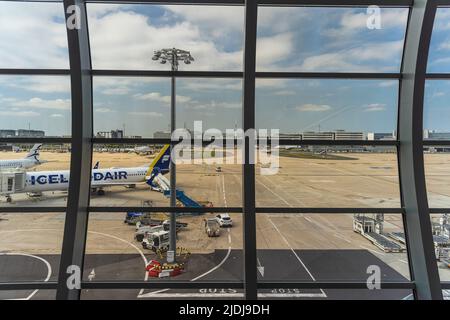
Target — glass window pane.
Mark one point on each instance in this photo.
(305, 106)
(212, 103)
(34, 175)
(119, 175)
(441, 232)
(439, 55)
(331, 247)
(436, 110)
(347, 40)
(131, 107)
(33, 35)
(437, 163)
(30, 250)
(115, 251)
(330, 176)
(125, 36)
(40, 103)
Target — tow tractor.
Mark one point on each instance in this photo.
(157, 241)
(212, 227)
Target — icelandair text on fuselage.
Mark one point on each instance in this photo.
(61, 178)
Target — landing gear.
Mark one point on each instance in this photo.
(8, 199)
(100, 192)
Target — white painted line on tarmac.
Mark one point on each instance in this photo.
(49, 269)
(273, 192)
(342, 238)
(132, 245)
(295, 253)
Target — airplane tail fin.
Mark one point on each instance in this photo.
(160, 164)
(34, 152)
(97, 165)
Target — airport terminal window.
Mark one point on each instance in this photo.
(214, 103)
(356, 216)
(41, 26)
(299, 39)
(436, 110)
(125, 36)
(437, 158)
(330, 247)
(439, 60)
(120, 250)
(120, 172)
(39, 104)
(330, 176)
(314, 108)
(38, 174)
(131, 107)
(30, 250)
(440, 230)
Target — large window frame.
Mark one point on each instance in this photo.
(414, 208)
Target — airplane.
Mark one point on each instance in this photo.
(38, 182)
(31, 160)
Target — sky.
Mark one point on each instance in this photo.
(289, 39)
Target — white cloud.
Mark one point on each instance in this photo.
(146, 114)
(213, 105)
(445, 45)
(156, 96)
(389, 83)
(355, 59)
(31, 37)
(272, 49)
(285, 93)
(375, 107)
(216, 20)
(113, 32)
(56, 115)
(310, 107)
(103, 110)
(59, 104)
(19, 113)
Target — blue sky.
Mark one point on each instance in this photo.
(289, 39)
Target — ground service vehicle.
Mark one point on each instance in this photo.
(157, 241)
(212, 227)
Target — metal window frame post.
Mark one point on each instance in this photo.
(248, 169)
(76, 222)
(410, 134)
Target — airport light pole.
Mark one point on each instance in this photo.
(172, 55)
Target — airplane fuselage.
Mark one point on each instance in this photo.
(59, 180)
(18, 164)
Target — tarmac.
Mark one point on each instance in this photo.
(324, 243)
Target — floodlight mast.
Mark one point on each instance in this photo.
(172, 55)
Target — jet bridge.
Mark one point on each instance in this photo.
(11, 182)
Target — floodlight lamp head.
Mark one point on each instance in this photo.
(163, 61)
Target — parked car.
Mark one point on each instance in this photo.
(224, 220)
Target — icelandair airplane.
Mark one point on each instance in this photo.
(37, 182)
(31, 160)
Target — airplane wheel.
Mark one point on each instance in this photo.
(140, 237)
(101, 192)
(9, 200)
